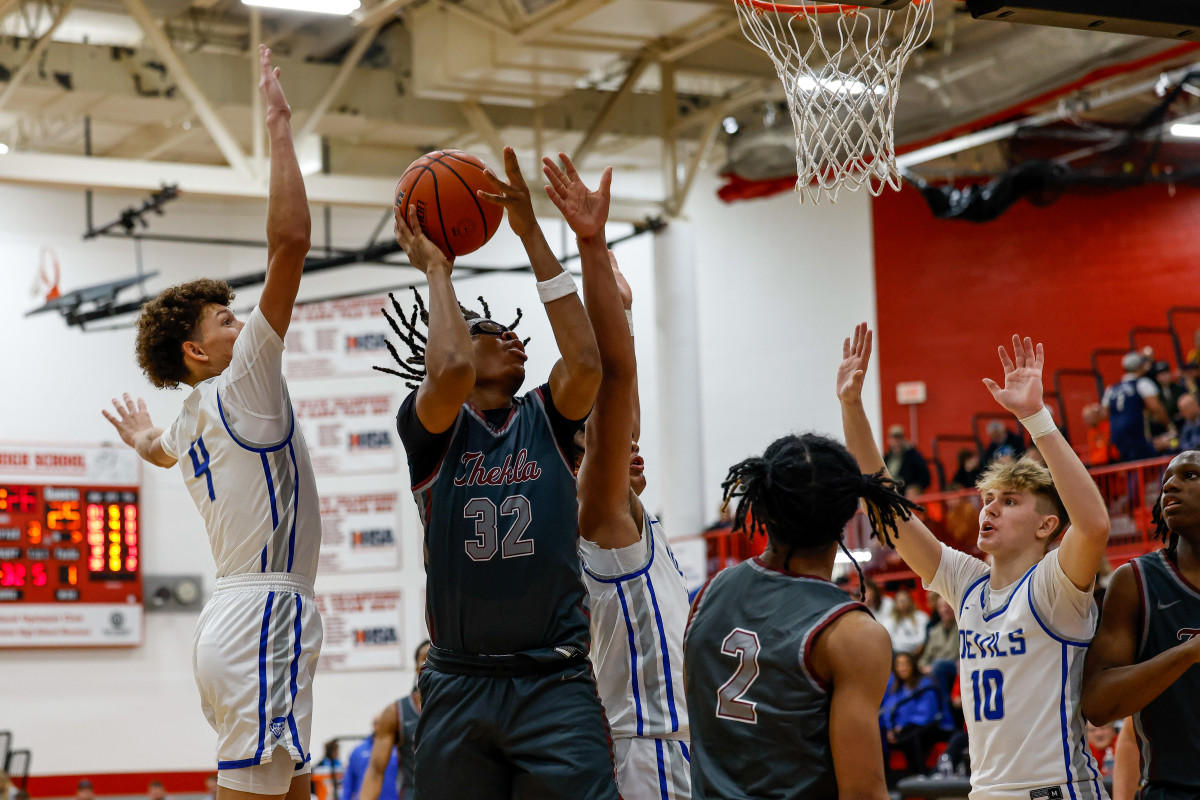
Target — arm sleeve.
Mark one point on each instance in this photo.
(564, 429)
(424, 449)
(1068, 612)
(251, 388)
(169, 439)
(616, 562)
(1146, 388)
(956, 571)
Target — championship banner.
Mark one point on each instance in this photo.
(352, 435)
(363, 631)
(110, 466)
(359, 532)
(336, 339)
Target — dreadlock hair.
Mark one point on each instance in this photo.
(1161, 531)
(804, 489)
(412, 369)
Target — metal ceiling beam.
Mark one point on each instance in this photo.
(557, 17)
(258, 122)
(81, 172)
(609, 110)
(349, 65)
(485, 130)
(34, 54)
(208, 116)
(703, 148)
(382, 13)
(699, 42)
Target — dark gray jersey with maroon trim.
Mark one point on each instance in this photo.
(407, 717)
(502, 538)
(1166, 727)
(759, 717)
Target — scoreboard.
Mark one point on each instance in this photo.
(70, 550)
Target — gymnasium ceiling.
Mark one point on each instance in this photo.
(167, 84)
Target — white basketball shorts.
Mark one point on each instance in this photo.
(652, 769)
(255, 654)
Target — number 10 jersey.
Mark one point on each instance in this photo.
(1020, 664)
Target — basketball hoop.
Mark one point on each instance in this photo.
(841, 80)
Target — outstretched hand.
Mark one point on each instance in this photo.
(1022, 391)
(856, 356)
(421, 251)
(131, 418)
(584, 210)
(268, 86)
(513, 196)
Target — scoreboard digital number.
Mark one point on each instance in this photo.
(70, 565)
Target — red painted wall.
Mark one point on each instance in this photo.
(1076, 275)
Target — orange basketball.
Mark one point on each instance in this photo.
(443, 186)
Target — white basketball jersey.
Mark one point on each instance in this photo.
(639, 609)
(1021, 651)
(245, 462)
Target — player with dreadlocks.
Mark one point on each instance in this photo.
(509, 700)
(1143, 661)
(1025, 622)
(784, 683)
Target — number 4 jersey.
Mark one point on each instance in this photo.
(498, 501)
(1021, 651)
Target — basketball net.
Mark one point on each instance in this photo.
(841, 80)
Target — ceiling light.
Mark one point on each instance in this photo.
(730, 124)
(1185, 130)
(861, 556)
(3, 148)
(342, 7)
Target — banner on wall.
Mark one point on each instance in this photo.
(109, 466)
(360, 532)
(363, 631)
(352, 434)
(336, 338)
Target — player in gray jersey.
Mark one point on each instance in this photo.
(785, 674)
(1143, 661)
(396, 731)
(247, 468)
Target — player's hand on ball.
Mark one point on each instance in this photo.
(268, 86)
(513, 195)
(584, 210)
(421, 252)
(856, 356)
(131, 418)
(1022, 391)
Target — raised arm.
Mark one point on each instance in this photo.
(915, 543)
(135, 428)
(449, 354)
(627, 302)
(604, 516)
(575, 378)
(387, 736)
(288, 223)
(1114, 686)
(1084, 542)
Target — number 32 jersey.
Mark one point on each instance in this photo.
(501, 532)
(1021, 651)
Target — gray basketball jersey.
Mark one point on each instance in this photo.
(1166, 726)
(759, 716)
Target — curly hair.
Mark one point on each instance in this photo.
(169, 320)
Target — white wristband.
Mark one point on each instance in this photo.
(560, 285)
(1040, 424)
(629, 319)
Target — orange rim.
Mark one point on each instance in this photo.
(810, 8)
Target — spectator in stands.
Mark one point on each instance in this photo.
(84, 791)
(877, 601)
(1102, 740)
(906, 624)
(20, 794)
(910, 717)
(1003, 443)
(1169, 389)
(356, 770)
(1194, 353)
(1099, 437)
(210, 787)
(156, 791)
(1127, 402)
(905, 463)
(1189, 423)
(7, 790)
(939, 656)
(969, 470)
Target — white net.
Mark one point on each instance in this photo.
(840, 69)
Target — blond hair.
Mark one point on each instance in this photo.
(1027, 475)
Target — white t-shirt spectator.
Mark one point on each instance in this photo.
(908, 633)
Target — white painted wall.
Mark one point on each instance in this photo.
(779, 285)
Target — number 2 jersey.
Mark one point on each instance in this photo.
(759, 716)
(497, 497)
(1020, 664)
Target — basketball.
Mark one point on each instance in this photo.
(443, 185)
